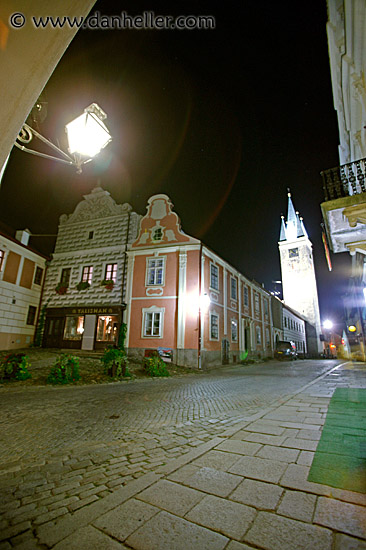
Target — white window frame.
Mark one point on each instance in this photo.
(245, 296)
(256, 303)
(234, 322)
(114, 279)
(151, 259)
(89, 276)
(214, 314)
(2, 258)
(212, 265)
(153, 310)
(235, 298)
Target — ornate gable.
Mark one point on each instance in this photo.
(98, 204)
(161, 226)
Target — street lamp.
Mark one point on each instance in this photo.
(328, 324)
(87, 136)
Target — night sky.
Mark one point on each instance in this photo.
(223, 121)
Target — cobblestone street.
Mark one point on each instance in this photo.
(65, 448)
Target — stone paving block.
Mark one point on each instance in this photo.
(226, 517)
(49, 516)
(343, 542)
(183, 473)
(263, 496)
(234, 545)
(302, 444)
(305, 458)
(171, 497)
(88, 538)
(216, 459)
(165, 532)
(311, 420)
(239, 447)
(261, 427)
(296, 477)
(278, 453)
(121, 522)
(213, 481)
(298, 505)
(273, 532)
(259, 468)
(309, 434)
(300, 426)
(266, 439)
(83, 502)
(14, 530)
(341, 516)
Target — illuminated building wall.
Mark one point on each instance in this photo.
(21, 278)
(297, 267)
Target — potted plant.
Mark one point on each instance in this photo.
(108, 284)
(61, 288)
(83, 285)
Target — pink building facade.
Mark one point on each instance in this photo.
(185, 300)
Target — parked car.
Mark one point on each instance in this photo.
(285, 350)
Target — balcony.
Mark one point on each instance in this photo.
(344, 208)
(345, 180)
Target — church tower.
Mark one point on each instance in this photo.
(297, 266)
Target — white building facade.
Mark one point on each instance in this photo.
(22, 272)
(85, 286)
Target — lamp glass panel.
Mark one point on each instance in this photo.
(87, 135)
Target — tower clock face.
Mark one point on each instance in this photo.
(293, 253)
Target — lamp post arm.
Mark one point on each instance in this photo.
(31, 132)
(44, 155)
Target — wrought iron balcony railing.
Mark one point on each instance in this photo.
(345, 180)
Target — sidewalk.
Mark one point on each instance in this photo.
(246, 489)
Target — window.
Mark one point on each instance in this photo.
(265, 302)
(31, 315)
(246, 296)
(234, 330)
(259, 337)
(233, 286)
(2, 255)
(65, 275)
(91, 235)
(87, 274)
(155, 271)
(107, 328)
(74, 328)
(157, 234)
(214, 326)
(256, 303)
(153, 323)
(268, 343)
(285, 320)
(111, 272)
(38, 276)
(214, 277)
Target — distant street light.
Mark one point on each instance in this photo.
(328, 324)
(87, 136)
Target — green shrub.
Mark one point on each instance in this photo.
(115, 362)
(15, 366)
(155, 366)
(65, 370)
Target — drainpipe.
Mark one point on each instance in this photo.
(124, 271)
